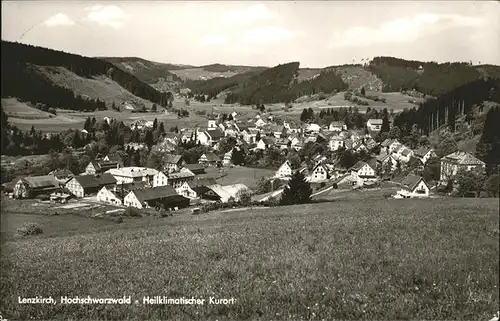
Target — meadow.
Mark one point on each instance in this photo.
(375, 259)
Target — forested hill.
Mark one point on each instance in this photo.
(429, 78)
(272, 85)
(21, 79)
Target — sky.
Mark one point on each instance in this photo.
(266, 33)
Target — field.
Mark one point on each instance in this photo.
(376, 259)
(238, 175)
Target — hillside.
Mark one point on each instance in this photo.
(26, 75)
(156, 74)
(429, 78)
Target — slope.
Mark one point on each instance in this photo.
(25, 74)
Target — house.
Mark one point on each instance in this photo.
(212, 123)
(94, 167)
(393, 146)
(172, 163)
(424, 153)
(451, 164)
(265, 143)
(282, 143)
(337, 126)
(285, 170)
(320, 173)
(362, 172)
(30, 187)
(176, 179)
(113, 158)
(160, 179)
(229, 191)
(276, 130)
(384, 160)
(335, 143)
(249, 135)
(133, 174)
(195, 168)
(203, 138)
(374, 124)
(260, 123)
(214, 136)
(84, 185)
(109, 196)
(210, 159)
(405, 155)
(163, 197)
(313, 128)
(187, 189)
(358, 146)
(413, 186)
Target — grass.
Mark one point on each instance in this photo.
(426, 259)
(244, 175)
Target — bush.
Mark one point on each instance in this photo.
(335, 186)
(323, 184)
(30, 229)
(132, 212)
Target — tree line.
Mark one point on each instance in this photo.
(19, 56)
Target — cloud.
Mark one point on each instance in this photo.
(264, 35)
(214, 40)
(254, 13)
(403, 30)
(59, 19)
(109, 15)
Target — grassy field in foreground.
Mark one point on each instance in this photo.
(377, 259)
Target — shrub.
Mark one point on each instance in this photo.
(335, 186)
(132, 212)
(30, 229)
(323, 184)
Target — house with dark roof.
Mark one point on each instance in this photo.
(337, 126)
(84, 185)
(62, 175)
(424, 153)
(97, 167)
(210, 159)
(172, 163)
(265, 143)
(374, 124)
(32, 186)
(109, 196)
(196, 168)
(362, 172)
(177, 179)
(413, 186)
(158, 197)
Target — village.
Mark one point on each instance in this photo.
(178, 184)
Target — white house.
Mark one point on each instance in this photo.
(424, 154)
(313, 128)
(249, 135)
(335, 143)
(260, 123)
(405, 155)
(337, 126)
(362, 172)
(160, 179)
(186, 189)
(320, 173)
(172, 163)
(384, 160)
(374, 124)
(285, 170)
(413, 186)
(133, 174)
(265, 143)
(452, 163)
(163, 196)
(226, 161)
(108, 196)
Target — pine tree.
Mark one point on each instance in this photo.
(155, 124)
(303, 116)
(488, 148)
(298, 191)
(363, 91)
(154, 107)
(161, 128)
(385, 125)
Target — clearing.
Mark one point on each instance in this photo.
(376, 259)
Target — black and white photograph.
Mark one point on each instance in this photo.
(250, 160)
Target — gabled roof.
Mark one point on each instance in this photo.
(180, 175)
(268, 140)
(172, 159)
(411, 181)
(464, 158)
(149, 194)
(62, 173)
(215, 133)
(106, 179)
(211, 157)
(406, 152)
(383, 158)
(41, 181)
(87, 181)
(422, 151)
(195, 167)
(375, 121)
(358, 166)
